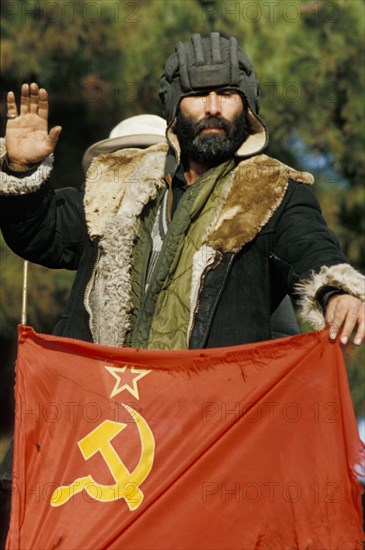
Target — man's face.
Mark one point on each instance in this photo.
(211, 126)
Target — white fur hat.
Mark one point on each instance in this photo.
(137, 131)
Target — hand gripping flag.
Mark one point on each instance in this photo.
(247, 447)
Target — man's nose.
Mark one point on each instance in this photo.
(213, 104)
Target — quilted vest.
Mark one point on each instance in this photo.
(164, 313)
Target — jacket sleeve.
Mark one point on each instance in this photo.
(307, 256)
(39, 224)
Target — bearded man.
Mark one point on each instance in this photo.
(188, 244)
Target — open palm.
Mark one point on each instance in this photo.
(27, 138)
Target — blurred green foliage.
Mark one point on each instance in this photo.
(101, 61)
(47, 291)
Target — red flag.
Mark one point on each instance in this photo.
(247, 447)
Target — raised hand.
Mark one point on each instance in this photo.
(27, 138)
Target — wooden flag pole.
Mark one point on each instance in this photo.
(25, 293)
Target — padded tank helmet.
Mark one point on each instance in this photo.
(213, 62)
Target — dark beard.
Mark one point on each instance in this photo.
(211, 149)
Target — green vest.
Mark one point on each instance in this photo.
(161, 315)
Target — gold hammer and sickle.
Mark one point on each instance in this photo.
(126, 483)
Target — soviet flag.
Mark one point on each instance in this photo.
(245, 447)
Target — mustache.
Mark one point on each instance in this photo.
(218, 123)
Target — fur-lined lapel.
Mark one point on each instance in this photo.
(120, 184)
(257, 189)
(111, 177)
(254, 191)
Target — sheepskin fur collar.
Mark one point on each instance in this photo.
(112, 178)
(117, 188)
(255, 190)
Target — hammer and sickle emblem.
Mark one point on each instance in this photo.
(127, 484)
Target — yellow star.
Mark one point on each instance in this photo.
(126, 379)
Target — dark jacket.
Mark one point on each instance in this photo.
(238, 296)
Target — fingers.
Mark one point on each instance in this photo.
(335, 316)
(343, 314)
(329, 317)
(349, 323)
(38, 101)
(11, 105)
(43, 103)
(54, 134)
(330, 311)
(24, 99)
(33, 100)
(360, 334)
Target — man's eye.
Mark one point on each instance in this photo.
(227, 96)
